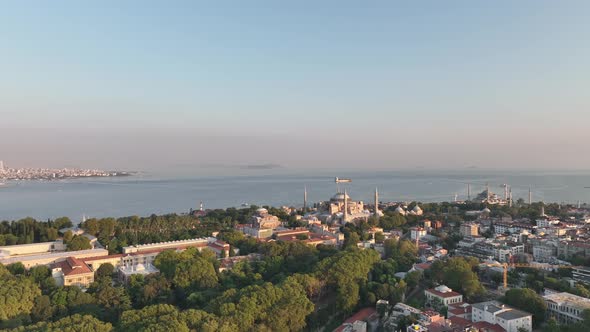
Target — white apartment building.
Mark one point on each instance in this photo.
(417, 233)
(566, 308)
(544, 252)
(496, 313)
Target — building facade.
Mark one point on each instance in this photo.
(443, 295)
(566, 308)
(507, 317)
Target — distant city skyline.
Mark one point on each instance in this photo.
(336, 84)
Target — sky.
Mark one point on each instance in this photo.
(304, 84)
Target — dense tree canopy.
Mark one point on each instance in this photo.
(17, 296)
(75, 323)
(79, 242)
(458, 274)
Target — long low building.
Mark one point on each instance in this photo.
(53, 257)
(31, 249)
(566, 308)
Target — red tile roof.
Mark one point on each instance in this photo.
(487, 327)
(73, 266)
(98, 258)
(460, 322)
(362, 315)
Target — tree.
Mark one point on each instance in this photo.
(68, 235)
(379, 237)
(413, 278)
(197, 272)
(457, 273)
(112, 297)
(75, 323)
(39, 273)
(79, 242)
(43, 310)
(527, 300)
(161, 317)
(105, 270)
(16, 268)
(351, 239)
(17, 296)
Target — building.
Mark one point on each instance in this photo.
(566, 308)
(72, 272)
(359, 321)
(31, 249)
(340, 206)
(417, 233)
(52, 257)
(126, 271)
(567, 249)
(416, 328)
(263, 219)
(442, 294)
(460, 309)
(406, 310)
(153, 249)
(95, 262)
(469, 229)
(581, 274)
(507, 317)
(544, 252)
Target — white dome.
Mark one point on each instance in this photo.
(486, 210)
(340, 197)
(443, 289)
(416, 209)
(262, 211)
(399, 209)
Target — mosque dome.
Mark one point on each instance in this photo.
(417, 209)
(486, 210)
(262, 211)
(340, 197)
(400, 210)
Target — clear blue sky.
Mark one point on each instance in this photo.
(361, 84)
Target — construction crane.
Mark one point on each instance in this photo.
(505, 266)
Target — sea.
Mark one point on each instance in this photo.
(148, 193)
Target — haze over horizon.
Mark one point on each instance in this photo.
(143, 85)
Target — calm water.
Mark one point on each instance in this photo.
(146, 194)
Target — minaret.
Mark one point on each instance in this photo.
(345, 216)
(530, 196)
(304, 199)
(469, 191)
(488, 192)
(543, 209)
(376, 203)
(201, 206)
(510, 198)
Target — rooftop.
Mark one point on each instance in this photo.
(568, 299)
(443, 291)
(513, 314)
(73, 266)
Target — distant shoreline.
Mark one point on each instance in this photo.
(55, 177)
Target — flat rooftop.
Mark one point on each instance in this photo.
(568, 299)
